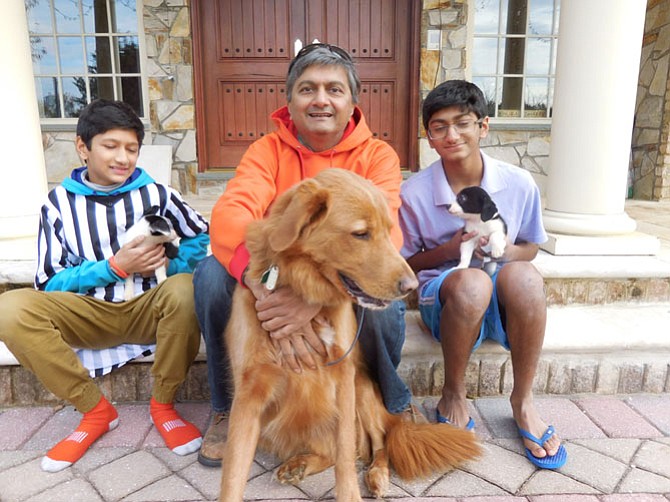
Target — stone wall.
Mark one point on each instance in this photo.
(169, 71)
(650, 166)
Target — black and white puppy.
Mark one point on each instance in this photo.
(158, 230)
(475, 206)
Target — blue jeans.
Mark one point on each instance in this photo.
(381, 340)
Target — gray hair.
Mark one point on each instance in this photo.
(323, 56)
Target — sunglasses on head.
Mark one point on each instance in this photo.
(338, 51)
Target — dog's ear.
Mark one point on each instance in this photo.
(489, 210)
(305, 206)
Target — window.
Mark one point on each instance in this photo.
(514, 55)
(83, 50)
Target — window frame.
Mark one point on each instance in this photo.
(68, 123)
(510, 122)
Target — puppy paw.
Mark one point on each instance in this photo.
(497, 251)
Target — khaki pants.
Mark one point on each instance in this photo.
(40, 328)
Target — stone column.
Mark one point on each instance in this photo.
(22, 173)
(596, 83)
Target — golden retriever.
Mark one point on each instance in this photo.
(329, 237)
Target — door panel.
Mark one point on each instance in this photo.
(243, 49)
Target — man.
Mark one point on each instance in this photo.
(321, 127)
(462, 307)
(83, 261)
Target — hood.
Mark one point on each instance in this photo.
(74, 183)
(356, 133)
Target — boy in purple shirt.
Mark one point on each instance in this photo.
(462, 307)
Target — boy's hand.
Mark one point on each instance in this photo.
(133, 257)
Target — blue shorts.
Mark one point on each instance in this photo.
(430, 308)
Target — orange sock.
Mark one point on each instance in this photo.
(180, 436)
(94, 424)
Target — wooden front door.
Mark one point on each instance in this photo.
(243, 49)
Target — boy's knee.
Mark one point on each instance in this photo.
(12, 304)
(468, 292)
(178, 291)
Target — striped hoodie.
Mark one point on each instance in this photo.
(80, 228)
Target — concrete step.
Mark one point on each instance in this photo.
(587, 349)
(607, 328)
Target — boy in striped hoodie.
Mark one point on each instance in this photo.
(78, 300)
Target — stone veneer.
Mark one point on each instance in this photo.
(169, 70)
(650, 174)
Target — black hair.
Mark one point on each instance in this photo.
(101, 115)
(466, 95)
(322, 55)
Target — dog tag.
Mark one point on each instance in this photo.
(269, 277)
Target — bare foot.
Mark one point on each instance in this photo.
(455, 410)
(527, 417)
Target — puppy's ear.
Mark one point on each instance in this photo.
(171, 250)
(489, 210)
(300, 208)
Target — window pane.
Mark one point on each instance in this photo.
(47, 97)
(488, 87)
(95, 16)
(102, 87)
(98, 55)
(540, 17)
(39, 16)
(128, 54)
(124, 16)
(516, 17)
(484, 53)
(510, 104)
(43, 53)
(487, 16)
(537, 97)
(538, 55)
(67, 16)
(513, 55)
(71, 55)
(74, 95)
(130, 91)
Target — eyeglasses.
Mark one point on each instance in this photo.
(461, 127)
(338, 51)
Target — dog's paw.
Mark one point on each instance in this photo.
(291, 472)
(377, 481)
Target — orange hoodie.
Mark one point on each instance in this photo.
(276, 162)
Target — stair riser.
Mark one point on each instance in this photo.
(487, 375)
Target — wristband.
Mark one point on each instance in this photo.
(116, 269)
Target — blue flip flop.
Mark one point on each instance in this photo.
(470, 425)
(550, 461)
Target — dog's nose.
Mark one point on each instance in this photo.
(407, 284)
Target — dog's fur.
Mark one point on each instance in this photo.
(475, 206)
(158, 230)
(329, 238)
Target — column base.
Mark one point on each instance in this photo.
(631, 244)
(587, 224)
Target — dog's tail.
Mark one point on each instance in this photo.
(418, 450)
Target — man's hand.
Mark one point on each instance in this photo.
(288, 319)
(133, 257)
